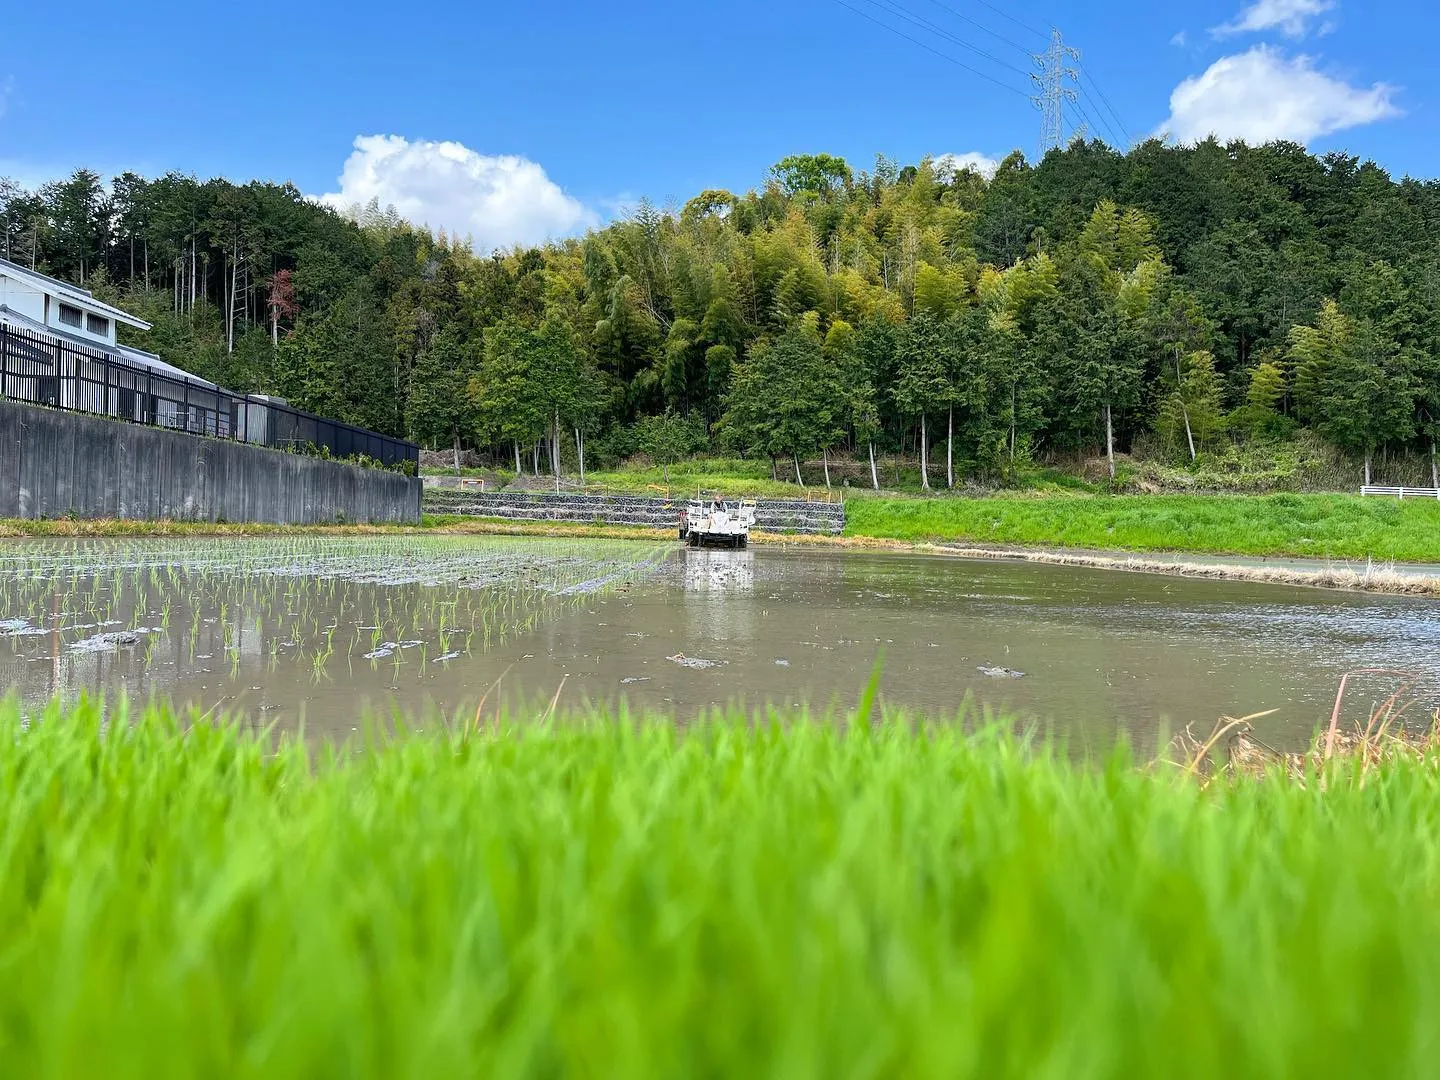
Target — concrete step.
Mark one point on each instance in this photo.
(789, 515)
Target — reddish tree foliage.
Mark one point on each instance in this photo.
(281, 303)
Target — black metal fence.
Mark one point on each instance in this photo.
(43, 370)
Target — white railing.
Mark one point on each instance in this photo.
(1401, 492)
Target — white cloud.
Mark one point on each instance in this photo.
(1290, 17)
(947, 165)
(1261, 95)
(498, 201)
(1179, 39)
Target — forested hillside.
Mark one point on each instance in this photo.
(1195, 296)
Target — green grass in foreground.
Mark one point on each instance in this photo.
(624, 899)
(1324, 526)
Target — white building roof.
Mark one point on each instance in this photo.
(65, 291)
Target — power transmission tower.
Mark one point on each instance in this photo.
(1052, 83)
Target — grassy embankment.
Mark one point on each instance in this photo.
(447, 524)
(736, 477)
(1316, 526)
(626, 899)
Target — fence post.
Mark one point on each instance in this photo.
(4, 359)
(187, 405)
(105, 401)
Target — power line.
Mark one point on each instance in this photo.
(1057, 81)
(981, 26)
(1109, 129)
(931, 48)
(1106, 102)
(1089, 124)
(1006, 15)
(1115, 138)
(894, 8)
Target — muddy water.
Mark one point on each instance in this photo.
(329, 629)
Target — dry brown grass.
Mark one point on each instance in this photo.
(1232, 750)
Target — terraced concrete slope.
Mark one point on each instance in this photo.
(771, 515)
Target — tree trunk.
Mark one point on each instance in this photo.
(555, 445)
(825, 460)
(950, 449)
(275, 327)
(230, 300)
(1012, 423)
(580, 454)
(1184, 409)
(924, 455)
(1110, 441)
(798, 478)
(1367, 466)
(1434, 467)
(535, 460)
(457, 450)
(519, 468)
(774, 469)
(874, 476)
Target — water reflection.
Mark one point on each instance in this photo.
(331, 628)
(717, 570)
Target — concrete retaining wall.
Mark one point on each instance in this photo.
(57, 464)
(773, 515)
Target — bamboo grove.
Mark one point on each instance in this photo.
(1174, 298)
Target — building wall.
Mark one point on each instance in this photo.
(29, 300)
(22, 299)
(57, 464)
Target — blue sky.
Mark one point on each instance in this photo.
(518, 120)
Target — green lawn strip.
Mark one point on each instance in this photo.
(119, 528)
(15, 528)
(1319, 526)
(618, 896)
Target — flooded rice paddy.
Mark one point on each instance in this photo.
(329, 630)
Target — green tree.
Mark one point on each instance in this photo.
(441, 410)
(812, 174)
(668, 438)
(786, 400)
(507, 404)
(1191, 412)
(923, 378)
(1260, 415)
(1352, 383)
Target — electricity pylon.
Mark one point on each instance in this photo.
(1052, 83)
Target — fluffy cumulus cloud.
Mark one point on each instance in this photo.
(949, 164)
(1290, 17)
(497, 201)
(1262, 95)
